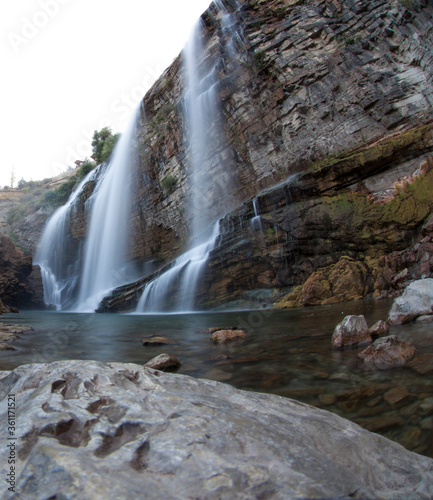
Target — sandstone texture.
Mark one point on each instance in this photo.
(88, 430)
(379, 329)
(352, 331)
(387, 352)
(416, 301)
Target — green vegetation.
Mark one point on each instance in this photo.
(169, 184)
(259, 60)
(16, 214)
(103, 144)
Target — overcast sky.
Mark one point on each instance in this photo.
(69, 67)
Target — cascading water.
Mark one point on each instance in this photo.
(60, 273)
(77, 280)
(106, 249)
(202, 117)
(183, 274)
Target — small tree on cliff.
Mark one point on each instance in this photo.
(103, 144)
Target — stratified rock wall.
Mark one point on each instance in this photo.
(20, 282)
(301, 86)
(325, 117)
(301, 82)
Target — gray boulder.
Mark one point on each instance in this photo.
(417, 300)
(88, 431)
(352, 331)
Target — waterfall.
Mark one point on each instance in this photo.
(77, 277)
(256, 221)
(106, 249)
(183, 275)
(203, 132)
(60, 271)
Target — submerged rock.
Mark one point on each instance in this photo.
(9, 333)
(353, 330)
(224, 336)
(417, 300)
(157, 341)
(103, 431)
(387, 352)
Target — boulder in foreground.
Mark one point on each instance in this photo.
(95, 431)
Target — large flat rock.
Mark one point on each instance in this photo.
(90, 430)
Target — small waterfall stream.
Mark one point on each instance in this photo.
(183, 274)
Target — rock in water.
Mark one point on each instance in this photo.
(379, 329)
(224, 336)
(353, 330)
(417, 300)
(156, 340)
(95, 431)
(164, 362)
(387, 352)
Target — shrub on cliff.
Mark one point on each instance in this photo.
(103, 144)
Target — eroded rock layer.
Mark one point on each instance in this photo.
(92, 430)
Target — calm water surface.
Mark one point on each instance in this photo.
(286, 353)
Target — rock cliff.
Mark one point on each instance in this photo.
(323, 135)
(325, 117)
(20, 281)
(92, 430)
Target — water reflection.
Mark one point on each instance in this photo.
(286, 353)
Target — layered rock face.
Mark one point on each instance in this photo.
(327, 102)
(20, 281)
(99, 431)
(323, 119)
(301, 82)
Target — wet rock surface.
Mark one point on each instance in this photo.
(387, 352)
(352, 331)
(9, 333)
(416, 301)
(94, 430)
(224, 336)
(164, 362)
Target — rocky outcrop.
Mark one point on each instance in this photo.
(20, 282)
(92, 430)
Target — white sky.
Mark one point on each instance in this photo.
(69, 67)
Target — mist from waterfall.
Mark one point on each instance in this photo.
(77, 278)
